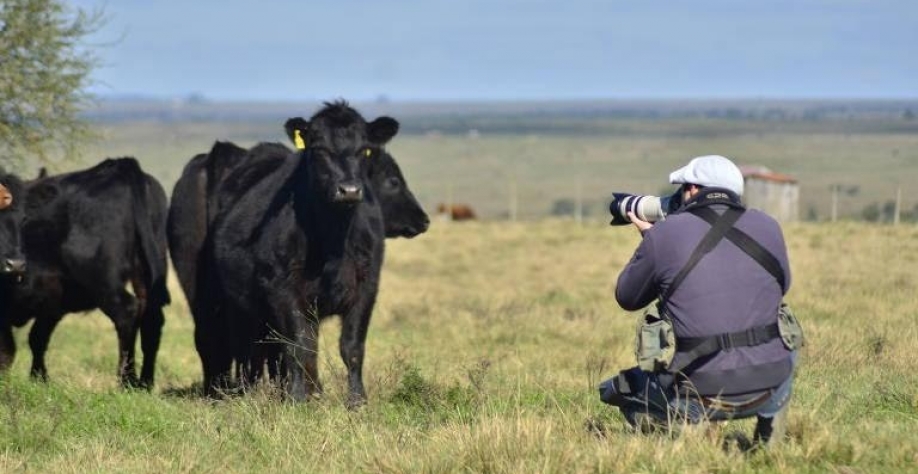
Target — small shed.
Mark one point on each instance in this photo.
(776, 194)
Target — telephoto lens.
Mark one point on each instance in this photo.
(646, 208)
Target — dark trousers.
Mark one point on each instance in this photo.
(651, 397)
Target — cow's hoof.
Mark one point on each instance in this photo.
(39, 376)
(131, 383)
(355, 402)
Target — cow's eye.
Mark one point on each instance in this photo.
(393, 183)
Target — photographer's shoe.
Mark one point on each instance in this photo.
(771, 431)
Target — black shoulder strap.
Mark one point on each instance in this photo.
(698, 347)
(720, 225)
(746, 244)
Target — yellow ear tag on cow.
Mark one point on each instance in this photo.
(368, 152)
(298, 141)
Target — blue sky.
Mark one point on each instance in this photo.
(508, 50)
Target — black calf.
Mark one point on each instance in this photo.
(85, 236)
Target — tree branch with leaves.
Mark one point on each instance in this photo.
(45, 69)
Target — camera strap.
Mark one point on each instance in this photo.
(722, 226)
(746, 244)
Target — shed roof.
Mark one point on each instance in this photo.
(765, 174)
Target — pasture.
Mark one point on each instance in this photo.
(486, 345)
(531, 168)
(489, 337)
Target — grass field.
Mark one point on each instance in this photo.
(490, 337)
(486, 346)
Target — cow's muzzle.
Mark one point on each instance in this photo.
(14, 267)
(420, 226)
(348, 193)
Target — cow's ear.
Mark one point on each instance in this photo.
(382, 130)
(296, 130)
(39, 195)
(6, 197)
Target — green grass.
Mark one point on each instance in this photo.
(486, 346)
(489, 338)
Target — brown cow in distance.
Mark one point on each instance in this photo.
(456, 212)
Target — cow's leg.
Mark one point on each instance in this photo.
(256, 367)
(262, 352)
(151, 331)
(217, 360)
(151, 325)
(39, 336)
(210, 340)
(300, 339)
(7, 346)
(121, 308)
(275, 367)
(204, 344)
(218, 376)
(311, 349)
(99, 260)
(352, 344)
(249, 351)
(201, 344)
(245, 360)
(295, 362)
(266, 362)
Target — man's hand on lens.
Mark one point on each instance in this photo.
(641, 225)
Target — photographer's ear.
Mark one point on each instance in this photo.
(689, 191)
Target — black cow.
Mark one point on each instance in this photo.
(12, 212)
(192, 209)
(13, 206)
(295, 241)
(402, 215)
(85, 235)
(193, 205)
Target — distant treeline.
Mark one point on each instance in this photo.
(680, 117)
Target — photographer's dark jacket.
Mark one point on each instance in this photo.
(727, 291)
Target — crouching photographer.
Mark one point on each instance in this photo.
(719, 272)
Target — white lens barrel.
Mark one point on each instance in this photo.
(649, 209)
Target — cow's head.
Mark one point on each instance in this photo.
(403, 216)
(339, 145)
(12, 214)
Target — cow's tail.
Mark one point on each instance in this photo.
(149, 208)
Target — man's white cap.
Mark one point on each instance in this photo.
(710, 170)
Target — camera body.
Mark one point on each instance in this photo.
(646, 208)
